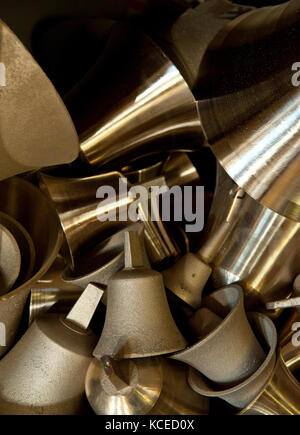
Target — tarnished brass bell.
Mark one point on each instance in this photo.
(25, 204)
(44, 134)
(230, 352)
(244, 392)
(187, 278)
(44, 373)
(138, 320)
(248, 104)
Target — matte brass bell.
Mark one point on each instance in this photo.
(230, 352)
(26, 205)
(44, 134)
(138, 320)
(187, 278)
(248, 104)
(244, 392)
(261, 253)
(45, 371)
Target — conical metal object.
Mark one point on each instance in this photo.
(86, 223)
(44, 134)
(262, 252)
(248, 104)
(189, 275)
(280, 396)
(45, 371)
(26, 204)
(138, 320)
(142, 106)
(128, 387)
(229, 353)
(244, 392)
(155, 386)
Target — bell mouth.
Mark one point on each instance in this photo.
(29, 206)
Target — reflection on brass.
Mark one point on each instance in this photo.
(132, 329)
(36, 129)
(248, 104)
(44, 373)
(147, 108)
(262, 252)
(28, 206)
(155, 386)
(281, 395)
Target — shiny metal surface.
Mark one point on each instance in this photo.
(77, 206)
(44, 134)
(45, 371)
(177, 397)
(51, 293)
(131, 329)
(249, 107)
(10, 260)
(27, 205)
(281, 395)
(243, 393)
(262, 253)
(128, 387)
(230, 353)
(146, 108)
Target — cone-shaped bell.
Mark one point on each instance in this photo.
(244, 392)
(187, 278)
(133, 102)
(27, 205)
(45, 371)
(138, 320)
(44, 134)
(128, 387)
(280, 396)
(154, 386)
(230, 353)
(249, 98)
(262, 252)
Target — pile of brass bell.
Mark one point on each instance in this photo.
(106, 314)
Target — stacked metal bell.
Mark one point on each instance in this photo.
(121, 316)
